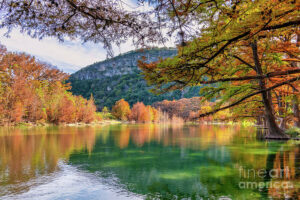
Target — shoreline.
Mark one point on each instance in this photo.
(79, 124)
(114, 122)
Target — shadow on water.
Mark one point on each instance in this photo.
(154, 161)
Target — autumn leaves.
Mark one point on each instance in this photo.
(139, 112)
(34, 92)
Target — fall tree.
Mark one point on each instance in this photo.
(142, 113)
(155, 114)
(121, 110)
(180, 108)
(31, 91)
(235, 56)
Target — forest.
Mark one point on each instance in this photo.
(31, 91)
(120, 77)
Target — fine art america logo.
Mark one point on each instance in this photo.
(274, 178)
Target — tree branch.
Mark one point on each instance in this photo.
(245, 78)
(248, 96)
(291, 23)
(246, 63)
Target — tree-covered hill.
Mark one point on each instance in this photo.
(119, 77)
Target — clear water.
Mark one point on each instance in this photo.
(146, 162)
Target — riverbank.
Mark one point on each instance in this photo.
(32, 124)
(293, 133)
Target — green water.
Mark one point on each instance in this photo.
(146, 162)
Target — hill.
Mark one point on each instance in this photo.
(119, 77)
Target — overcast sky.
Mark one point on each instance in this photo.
(68, 56)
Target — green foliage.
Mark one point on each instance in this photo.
(293, 132)
(105, 115)
(105, 110)
(121, 110)
(240, 56)
(131, 86)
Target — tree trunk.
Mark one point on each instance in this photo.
(264, 122)
(296, 112)
(295, 99)
(274, 132)
(282, 118)
(282, 123)
(259, 121)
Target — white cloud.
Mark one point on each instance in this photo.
(68, 56)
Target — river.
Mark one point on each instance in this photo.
(146, 161)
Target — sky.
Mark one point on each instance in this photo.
(68, 56)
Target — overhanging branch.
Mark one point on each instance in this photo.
(248, 96)
(266, 28)
(246, 78)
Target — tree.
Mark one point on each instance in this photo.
(139, 113)
(105, 110)
(236, 51)
(90, 110)
(67, 110)
(155, 114)
(121, 110)
(142, 113)
(180, 108)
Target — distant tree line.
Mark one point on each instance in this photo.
(131, 87)
(141, 113)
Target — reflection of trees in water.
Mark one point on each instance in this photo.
(25, 154)
(286, 162)
(271, 156)
(151, 159)
(184, 161)
(165, 161)
(197, 137)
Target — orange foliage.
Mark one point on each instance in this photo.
(121, 110)
(31, 91)
(23, 153)
(180, 108)
(142, 113)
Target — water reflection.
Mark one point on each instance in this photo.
(28, 154)
(195, 137)
(288, 163)
(155, 161)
